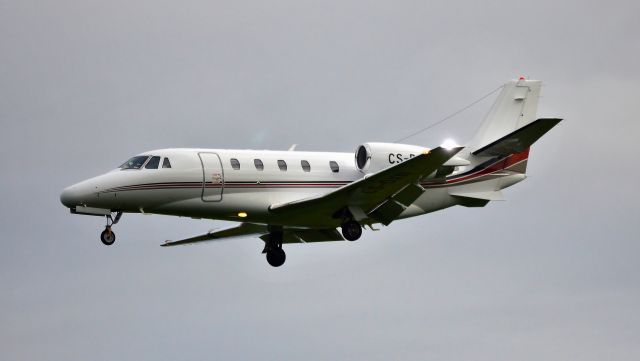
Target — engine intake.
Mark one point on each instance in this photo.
(372, 157)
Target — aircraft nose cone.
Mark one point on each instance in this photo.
(69, 197)
(84, 193)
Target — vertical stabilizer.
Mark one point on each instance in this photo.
(514, 108)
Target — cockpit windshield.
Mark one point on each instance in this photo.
(135, 163)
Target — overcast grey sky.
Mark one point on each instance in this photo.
(552, 273)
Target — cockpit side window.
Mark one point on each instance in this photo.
(166, 163)
(135, 163)
(153, 163)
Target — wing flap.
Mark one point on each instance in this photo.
(387, 212)
(409, 194)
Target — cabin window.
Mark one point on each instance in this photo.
(135, 163)
(282, 165)
(235, 164)
(166, 163)
(305, 166)
(334, 166)
(153, 163)
(258, 164)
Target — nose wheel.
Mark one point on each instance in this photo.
(108, 237)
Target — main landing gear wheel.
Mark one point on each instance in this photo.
(276, 257)
(107, 236)
(351, 230)
(273, 247)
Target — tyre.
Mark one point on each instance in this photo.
(107, 237)
(276, 257)
(351, 230)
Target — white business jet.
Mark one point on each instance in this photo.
(301, 197)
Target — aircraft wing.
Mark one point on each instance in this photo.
(381, 196)
(244, 229)
(248, 229)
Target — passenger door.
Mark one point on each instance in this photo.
(212, 177)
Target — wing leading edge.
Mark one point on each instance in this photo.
(244, 229)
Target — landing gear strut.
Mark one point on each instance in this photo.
(273, 248)
(108, 237)
(351, 230)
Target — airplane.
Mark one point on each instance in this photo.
(293, 196)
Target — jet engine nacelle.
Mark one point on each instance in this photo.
(372, 157)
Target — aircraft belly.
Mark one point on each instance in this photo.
(254, 202)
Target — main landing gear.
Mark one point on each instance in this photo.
(273, 249)
(108, 237)
(351, 230)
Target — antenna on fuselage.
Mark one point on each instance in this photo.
(292, 147)
(449, 116)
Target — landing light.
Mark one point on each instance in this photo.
(449, 144)
(242, 214)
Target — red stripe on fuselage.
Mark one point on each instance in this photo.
(471, 175)
(491, 168)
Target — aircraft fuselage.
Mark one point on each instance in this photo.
(204, 183)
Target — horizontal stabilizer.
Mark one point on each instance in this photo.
(518, 140)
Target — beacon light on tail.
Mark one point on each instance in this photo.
(304, 197)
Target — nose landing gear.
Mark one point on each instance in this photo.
(108, 237)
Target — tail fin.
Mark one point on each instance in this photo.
(514, 108)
